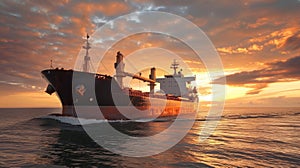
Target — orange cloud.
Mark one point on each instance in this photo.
(259, 22)
(109, 9)
(255, 47)
(231, 50)
(280, 71)
(34, 32)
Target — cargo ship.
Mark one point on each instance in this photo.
(83, 93)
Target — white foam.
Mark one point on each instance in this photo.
(83, 121)
(73, 120)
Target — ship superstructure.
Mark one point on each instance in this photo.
(176, 84)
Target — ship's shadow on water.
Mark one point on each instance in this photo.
(69, 145)
(75, 148)
(72, 147)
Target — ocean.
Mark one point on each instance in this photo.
(244, 137)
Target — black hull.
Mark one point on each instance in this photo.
(82, 94)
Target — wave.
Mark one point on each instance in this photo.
(73, 120)
(83, 121)
(251, 116)
(247, 116)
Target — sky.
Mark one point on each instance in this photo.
(258, 43)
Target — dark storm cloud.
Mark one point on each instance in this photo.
(281, 71)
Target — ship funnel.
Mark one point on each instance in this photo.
(85, 66)
(152, 76)
(119, 66)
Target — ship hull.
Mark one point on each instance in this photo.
(96, 96)
(113, 112)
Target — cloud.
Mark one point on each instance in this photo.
(284, 39)
(277, 101)
(107, 8)
(256, 47)
(257, 88)
(259, 22)
(280, 71)
(34, 32)
(293, 42)
(241, 50)
(231, 50)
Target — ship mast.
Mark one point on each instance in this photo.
(85, 66)
(174, 66)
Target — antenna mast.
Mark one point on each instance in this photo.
(87, 58)
(174, 66)
(51, 64)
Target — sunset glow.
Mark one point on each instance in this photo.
(258, 42)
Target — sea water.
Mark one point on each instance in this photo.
(245, 137)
